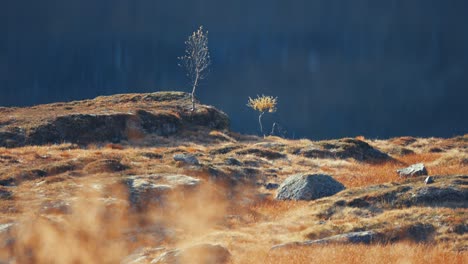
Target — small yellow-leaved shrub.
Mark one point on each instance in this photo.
(263, 104)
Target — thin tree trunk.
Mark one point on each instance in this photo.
(195, 83)
(260, 122)
(273, 129)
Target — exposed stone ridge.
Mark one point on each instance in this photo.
(107, 119)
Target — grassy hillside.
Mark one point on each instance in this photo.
(132, 199)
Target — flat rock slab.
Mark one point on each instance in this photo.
(414, 170)
(308, 187)
(438, 195)
(186, 158)
(154, 188)
(364, 237)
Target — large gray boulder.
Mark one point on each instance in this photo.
(413, 170)
(308, 187)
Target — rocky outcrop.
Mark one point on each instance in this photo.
(263, 153)
(439, 195)
(308, 187)
(344, 149)
(104, 165)
(417, 232)
(413, 170)
(364, 237)
(107, 119)
(153, 189)
(446, 191)
(187, 159)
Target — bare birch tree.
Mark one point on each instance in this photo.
(196, 59)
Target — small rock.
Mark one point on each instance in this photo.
(436, 150)
(186, 158)
(413, 170)
(308, 187)
(215, 172)
(151, 155)
(7, 236)
(429, 180)
(5, 194)
(200, 254)
(271, 186)
(232, 162)
(420, 232)
(5, 228)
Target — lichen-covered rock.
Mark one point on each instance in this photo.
(308, 187)
(414, 170)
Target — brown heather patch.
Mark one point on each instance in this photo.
(403, 141)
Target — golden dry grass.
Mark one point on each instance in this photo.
(364, 174)
(397, 253)
(246, 225)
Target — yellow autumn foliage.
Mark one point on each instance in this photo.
(263, 103)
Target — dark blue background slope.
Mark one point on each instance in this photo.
(340, 68)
